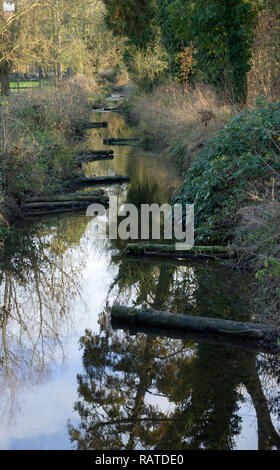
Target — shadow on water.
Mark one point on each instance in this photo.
(136, 390)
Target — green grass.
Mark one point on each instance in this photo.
(29, 84)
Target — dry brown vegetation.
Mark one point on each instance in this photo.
(37, 143)
(180, 121)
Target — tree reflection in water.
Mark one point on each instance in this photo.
(140, 391)
(39, 279)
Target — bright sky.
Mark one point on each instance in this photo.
(8, 6)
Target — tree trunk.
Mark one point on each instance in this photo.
(156, 249)
(98, 180)
(5, 78)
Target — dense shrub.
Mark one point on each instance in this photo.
(257, 241)
(240, 160)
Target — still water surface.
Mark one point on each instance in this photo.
(68, 380)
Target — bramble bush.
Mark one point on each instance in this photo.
(242, 157)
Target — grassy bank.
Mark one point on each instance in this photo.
(179, 122)
(38, 141)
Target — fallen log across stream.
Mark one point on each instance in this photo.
(63, 203)
(117, 141)
(169, 251)
(88, 196)
(79, 181)
(95, 152)
(168, 320)
(105, 108)
(95, 125)
(93, 158)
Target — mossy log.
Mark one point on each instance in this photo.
(110, 108)
(63, 204)
(81, 196)
(99, 180)
(105, 108)
(94, 125)
(161, 250)
(73, 204)
(95, 152)
(94, 158)
(161, 319)
(40, 213)
(114, 141)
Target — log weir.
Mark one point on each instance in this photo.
(95, 152)
(94, 158)
(99, 180)
(168, 320)
(95, 125)
(88, 196)
(120, 141)
(63, 203)
(169, 251)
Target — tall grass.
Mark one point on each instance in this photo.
(180, 121)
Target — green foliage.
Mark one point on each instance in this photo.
(147, 67)
(133, 19)
(222, 33)
(172, 42)
(257, 239)
(245, 151)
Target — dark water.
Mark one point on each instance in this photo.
(68, 380)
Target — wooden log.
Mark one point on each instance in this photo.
(40, 213)
(68, 197)
(110, 108)
(161, 319)
(199, 336)
(94, 125)
(200, 262)
(103, 108)
(169, 251)
(94, 158)
(98, 106)
(95, 152)
(100, 180)
(83, 202)
(114, 141)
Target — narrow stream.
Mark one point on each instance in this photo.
(68, 380)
